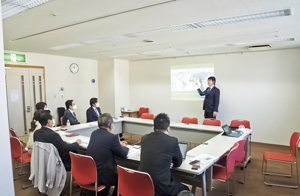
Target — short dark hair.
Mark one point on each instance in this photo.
(68, 103)
(93, 101)
(37, 114)
(40, 105)
(45, 115)
(105, 120)
(212, 78)
(161, 122)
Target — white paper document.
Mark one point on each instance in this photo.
(204, 158)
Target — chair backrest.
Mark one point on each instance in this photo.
(134, 183)
(237, 123)
(189, 120)
(212, 122)
(143, 110)
(15, 147)
(61, 120)
(294, 142)
(147, 116)
(240, 154)
(230, 162)
(13, 133)
(83, 169)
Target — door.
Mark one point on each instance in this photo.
(25, 88)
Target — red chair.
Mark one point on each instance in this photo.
(14, 134)
(189, 120)
(212, 122)
(134, 183)
(84, 171)
(237, 123)
(19, 157)
(223, 173)
(239, 158)
(283, 158)
(147, 116)
(142, 111)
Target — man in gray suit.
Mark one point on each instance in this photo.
(70, 114)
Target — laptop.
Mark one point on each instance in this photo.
(183, 148)
(228, 132)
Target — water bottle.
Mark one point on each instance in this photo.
(68, 124)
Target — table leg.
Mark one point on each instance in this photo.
(203, 183)
(209, 175)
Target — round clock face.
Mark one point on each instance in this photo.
(74, 68)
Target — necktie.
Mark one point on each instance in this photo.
(208, 90)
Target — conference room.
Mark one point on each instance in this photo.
(221, 78)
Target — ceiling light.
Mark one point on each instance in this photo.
(262, 42)
(157, 52)
(66, 46)
(124, 55)
(13, 7)
(106, 39)
(243, 18)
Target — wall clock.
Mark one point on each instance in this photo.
(74, 68)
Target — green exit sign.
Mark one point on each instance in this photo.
(20, 58)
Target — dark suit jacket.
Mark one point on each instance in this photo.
(158, 151)
(46, 135)
(91, 114)
(103, 147)
(212, 99)
(68, 115)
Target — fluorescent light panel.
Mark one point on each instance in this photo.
(124, 55)
(13, 7)
(201, 24)
(262, 42)
(66, 46)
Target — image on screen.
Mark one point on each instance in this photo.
(185, 80)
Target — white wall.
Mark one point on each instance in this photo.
(262, 87)
(121, 85)
(106, 86)
(113, 85)
(6, 180)
(76, 86)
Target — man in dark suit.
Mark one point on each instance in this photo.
(159, 152)
(103, 147)
(70, 114)
(212, 98)
(47, 135)
(94, 111)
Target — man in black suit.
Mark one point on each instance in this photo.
(212, 98)
(47, 135)
(159, 152)
(70, 114)
(94, 111)
(103, 147)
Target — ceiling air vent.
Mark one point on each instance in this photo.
(259, 47)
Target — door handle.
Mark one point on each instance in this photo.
(28, 109)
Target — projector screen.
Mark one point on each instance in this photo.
(185, 80)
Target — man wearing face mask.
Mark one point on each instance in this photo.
(103, 147)
(94, 111)
(70, 114)
(47, 135)
(159, 153)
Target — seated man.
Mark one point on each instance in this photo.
(70, 114)
(159, 151)
(103, 147)
(94, 111)
(47, 135)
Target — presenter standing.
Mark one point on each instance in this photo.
(212, 97)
